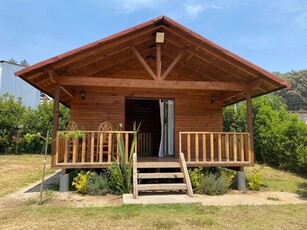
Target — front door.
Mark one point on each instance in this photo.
(156, 136)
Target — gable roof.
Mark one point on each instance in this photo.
(199, 60)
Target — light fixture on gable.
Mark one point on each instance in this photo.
(160, 37)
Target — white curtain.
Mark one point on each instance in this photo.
(170, 127)
(161, 148)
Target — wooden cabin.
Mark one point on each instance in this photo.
(160, 74)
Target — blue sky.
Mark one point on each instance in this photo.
(270, 33)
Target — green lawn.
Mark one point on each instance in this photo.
(18, 171)
(277, 180)
(157, 217)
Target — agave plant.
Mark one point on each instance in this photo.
(121, 172)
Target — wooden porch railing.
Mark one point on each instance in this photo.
(215, 148)
(91, 149)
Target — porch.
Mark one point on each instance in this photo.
(98, 149)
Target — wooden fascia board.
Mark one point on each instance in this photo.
(153, 84)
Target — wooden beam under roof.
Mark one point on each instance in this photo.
(143, 62)
(153, 84)
(172, 65)
(53, 77)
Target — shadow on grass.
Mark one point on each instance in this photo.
(302, 191)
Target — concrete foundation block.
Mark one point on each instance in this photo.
(64, 183)
(240, 181)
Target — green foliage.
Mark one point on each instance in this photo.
(196, 176)
(280, 137)
(214, 184)
(97, 185)
(71, 134)
(81, 181)
(18, 123)
(11, 122)
(254, 180)
(296, 97)
(119, 173)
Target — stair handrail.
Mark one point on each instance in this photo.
(135, 176)
(184, 169)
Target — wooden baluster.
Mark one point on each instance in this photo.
(211, 147)
(57, 146)
(110, 147)
(227, 146)
(117, 149)
(75, 149)
(100, 147)
(219, 147)
(83, 147)
(234, 147)
(180, 143)
(241, 147)
(66, 144)
(92, 147)
(204, 148)
(127, 146)
(196, 147)
(189, 147)
(249, 152)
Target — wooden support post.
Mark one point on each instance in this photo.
(250, 125)
(56, 103)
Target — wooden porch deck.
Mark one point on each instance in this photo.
(98, 149)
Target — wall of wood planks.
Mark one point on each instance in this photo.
(193, 109)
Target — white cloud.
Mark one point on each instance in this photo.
(194, 9)
(189, 7)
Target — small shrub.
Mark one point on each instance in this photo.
(214, 184)
(97, 185)
(254, 180)
(196, 175)
(80, 181)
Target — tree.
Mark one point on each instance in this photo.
(12, 60)
(10, 123)
(24, 62)
(41, 120)
(296, 97)
(280, 137)
(16, 121)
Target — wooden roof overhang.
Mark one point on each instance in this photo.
(133, 59)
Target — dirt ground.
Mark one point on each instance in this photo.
(29, 196)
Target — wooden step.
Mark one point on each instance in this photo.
(160, 175)
(162, 187)
(170, 164)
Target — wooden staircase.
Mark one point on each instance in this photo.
(174, 174)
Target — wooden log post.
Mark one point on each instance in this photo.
(250, 125)
(55, 126)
